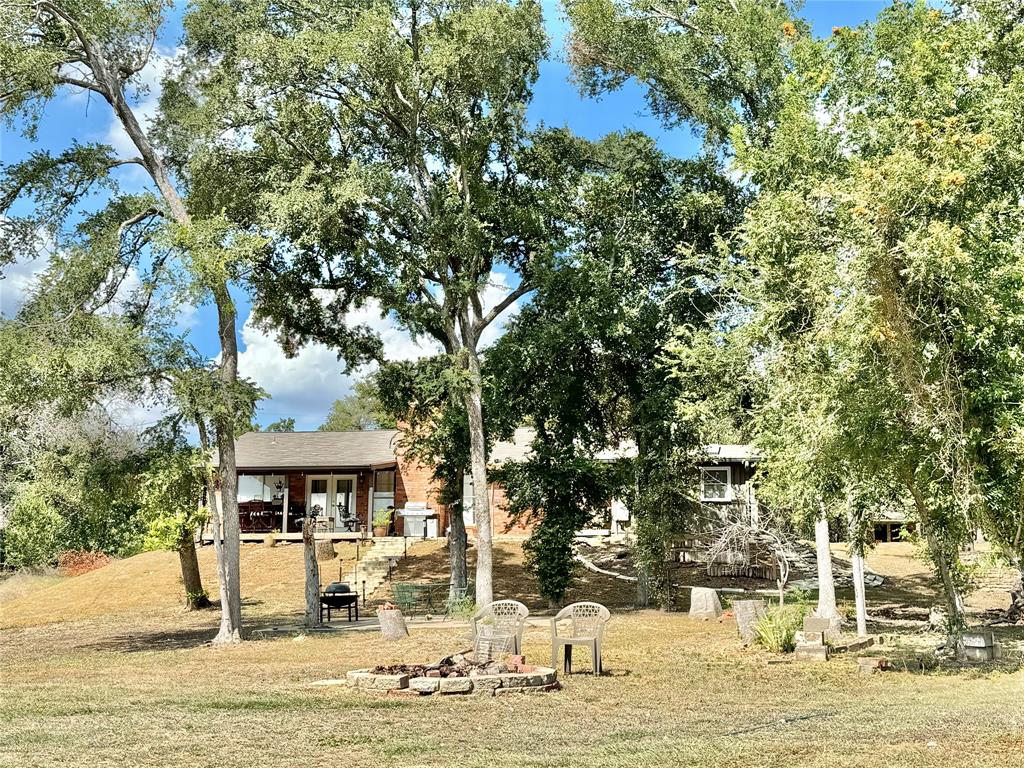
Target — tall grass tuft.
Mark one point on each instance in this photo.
(776, 630)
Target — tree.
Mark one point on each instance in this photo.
(426, 396)
(400, 171)
(359, 410)
(890, 197)
(101, 48)
(709, 64)
(281, 425)
(171, 496)
(585, 363)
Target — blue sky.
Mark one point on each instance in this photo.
(304, 387)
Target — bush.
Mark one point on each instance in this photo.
(776, 630)
(550, 557)
(461, 607)
(75, 562)
(35, 534)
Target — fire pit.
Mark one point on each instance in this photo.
(457, 674)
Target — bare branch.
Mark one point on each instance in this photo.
(523, 289)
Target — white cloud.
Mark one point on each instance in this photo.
(305, 386)
(144, 104)
(18, 280)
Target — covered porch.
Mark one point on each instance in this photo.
(342, 499)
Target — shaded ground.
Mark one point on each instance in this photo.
(511, 579)
(106, 669)
(678, 693)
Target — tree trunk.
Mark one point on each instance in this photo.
(312, 574)
(226, 528)
(956, 620)
(478, 469)
(230, 570)
(643, 587)
(195, 595)
(855, 536)
(826, 583)
(858, 592)
(457, 542)
(1015, 613)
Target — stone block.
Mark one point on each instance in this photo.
(486, 685)
(514, 680)
(860, 645)
(982, 639)
(748, 612)
(384, 682)
(810, 638)
(425, 684)
(815, 624)
(355, 676)
(704, 604)
(455, 685)
(973, 653)
(811, 653)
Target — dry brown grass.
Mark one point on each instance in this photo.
(124, 683)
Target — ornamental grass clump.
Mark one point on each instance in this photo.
(776, 630)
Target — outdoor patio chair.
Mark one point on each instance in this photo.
(408, 597)
(503, 616)
(588, 620)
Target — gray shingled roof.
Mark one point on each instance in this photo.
(323, 450)
(314, 450)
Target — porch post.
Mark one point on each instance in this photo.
(284, 507)
(369, 507)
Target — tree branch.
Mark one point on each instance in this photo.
(523, 289)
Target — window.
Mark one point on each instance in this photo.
(383, 489)
(261, 502)
(716, 484)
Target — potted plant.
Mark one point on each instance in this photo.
(382, 522)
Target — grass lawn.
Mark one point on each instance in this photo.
(116, 684)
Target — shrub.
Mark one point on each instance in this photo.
(75, 562)
(34, 535)
(461, 607)
(550, 557)
(776, 630)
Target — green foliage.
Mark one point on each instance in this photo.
(382, 518)
(587, 362)
(885, 273)
(34, 535)
(359, 410)
(776, 630)
(560, 491)
(461, 607)
(281, 425)
(170, 496)
(550, 556)
(708, 63)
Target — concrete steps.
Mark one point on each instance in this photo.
(372, 569)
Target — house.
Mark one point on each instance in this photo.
(345, 477)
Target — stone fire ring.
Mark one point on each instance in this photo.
(540, 679)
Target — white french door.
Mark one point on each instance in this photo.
(335, 495)
(318, 495)
(344, 498)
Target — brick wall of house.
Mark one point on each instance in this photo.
(363, 497)
(415, 482)
(500, 523)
